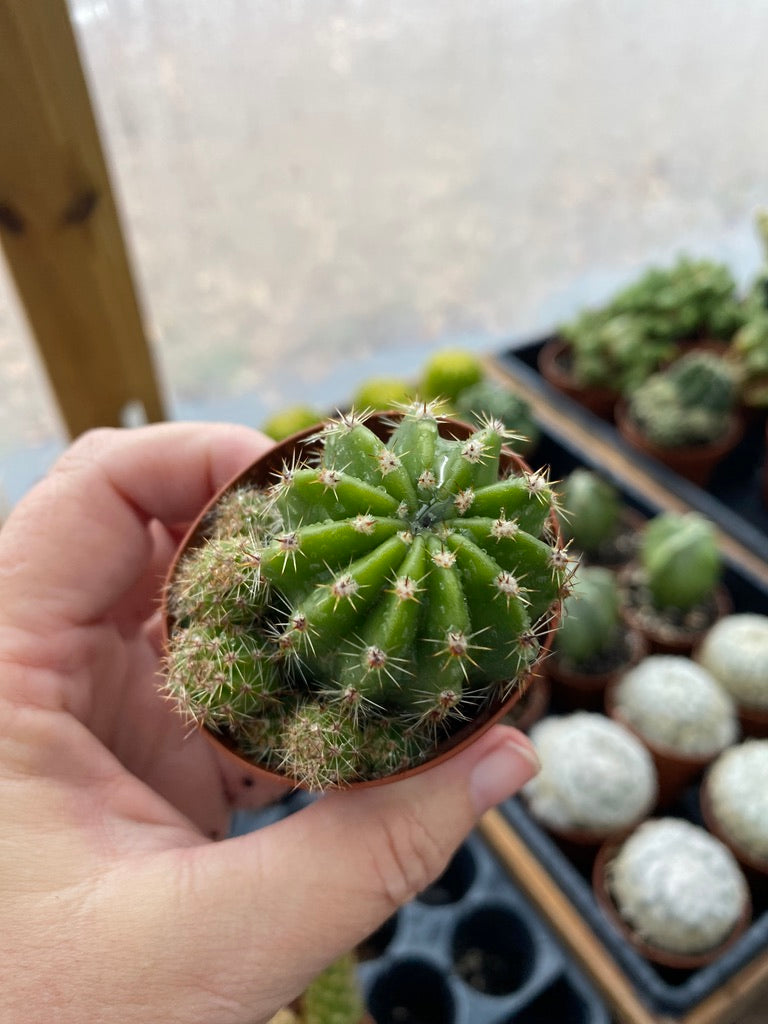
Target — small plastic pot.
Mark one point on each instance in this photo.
(695, 462)
(552, 362)
(656, 955)
(264, 471)
(662, 635)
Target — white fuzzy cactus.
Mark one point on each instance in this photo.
(672, 702)
(595, 775)
(678, 887)
(735, 651)
(737, 788)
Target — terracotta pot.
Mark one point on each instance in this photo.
(755, 868)
(694, 462)
(576, 689)
(675, 771)
(552, 364)
(265, 470)
(663, 957)
(662, 636)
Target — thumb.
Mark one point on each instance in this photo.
(290, 898)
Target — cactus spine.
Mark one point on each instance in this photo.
(380, 594)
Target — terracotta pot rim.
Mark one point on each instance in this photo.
(759, 865)
(655, 954)
(684, 641)
(257, 473)
(549, 362)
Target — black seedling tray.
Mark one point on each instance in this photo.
(469, 950)
(663, 991)
(732, 499)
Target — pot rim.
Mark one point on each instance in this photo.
(258, 473)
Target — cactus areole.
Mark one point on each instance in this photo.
(366, 597)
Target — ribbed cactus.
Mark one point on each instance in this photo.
(341, 620)
(681, 560)
(593, 510)
(591, 622)
(689, 403)
(487, 398)
(334, 997)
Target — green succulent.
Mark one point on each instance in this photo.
(339, 623)
(289, 421)
(487, 398)
(591, 621)
(594, 510)
(681, 560)
(691, 402)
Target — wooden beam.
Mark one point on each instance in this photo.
(60, 227)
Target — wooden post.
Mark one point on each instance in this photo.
(59, 225)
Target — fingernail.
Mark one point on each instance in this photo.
(501, 773)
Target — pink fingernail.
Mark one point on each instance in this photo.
(501, 773)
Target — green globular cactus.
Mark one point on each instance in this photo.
(380, 593)
(689, 403)
(487, 398)
(334, 997)
(591, 620)
(680, 559)
(593, 510)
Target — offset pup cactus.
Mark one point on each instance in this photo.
(351, 603)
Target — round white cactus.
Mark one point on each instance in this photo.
(678, 887)
(737, 788)
(595, 776)
(672, 702)
(735, 651)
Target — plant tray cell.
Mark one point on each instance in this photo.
(470, 949)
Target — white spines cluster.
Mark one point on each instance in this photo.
(678, 887)
(735, 651)
(737, 788)
(595, 776)
(674, 703)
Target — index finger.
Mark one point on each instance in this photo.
(79, 539)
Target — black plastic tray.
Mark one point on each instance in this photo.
(469, 950)
(663, 991)
(732, 499)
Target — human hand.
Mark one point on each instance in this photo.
(116, 904)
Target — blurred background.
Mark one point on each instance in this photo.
(313, 191)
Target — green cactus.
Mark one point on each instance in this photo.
(334, 997)
(681, 560)
(487, 398)
(689, 403)
(621, 343)
(594, 510)
(448, 372)
(381, 593)
(591, 622)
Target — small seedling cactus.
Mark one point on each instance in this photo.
(680, 559)
(593, 510)
(334, 997)
(689, 403)
(591, 622)
(340, 620)
(677, 887)
(735, 651)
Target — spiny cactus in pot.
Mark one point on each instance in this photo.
(684, 415)
(735, 651)
(366, 596)
(673, 593)
(734, 803)
(600, 528)
(592, 644)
